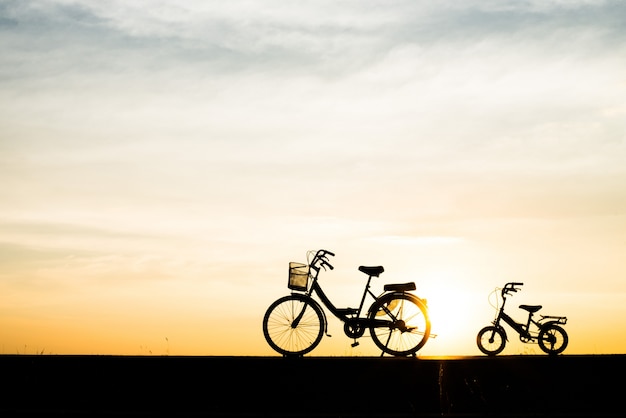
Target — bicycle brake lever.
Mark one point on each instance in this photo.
(325, 263)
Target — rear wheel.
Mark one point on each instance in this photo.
(293, 325)
(553, 339)
(402, 325)
(491, 340)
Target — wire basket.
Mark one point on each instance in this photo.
(298, 276)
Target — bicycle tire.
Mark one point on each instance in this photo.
(553, 339)
(282, 336)
(491, 340)
(408, 324)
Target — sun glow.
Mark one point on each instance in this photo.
(456, 314)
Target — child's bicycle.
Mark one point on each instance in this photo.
(546, 331)
(294, 325)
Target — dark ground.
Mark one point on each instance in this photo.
(146, 386)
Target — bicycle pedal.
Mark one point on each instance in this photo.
(354, 344)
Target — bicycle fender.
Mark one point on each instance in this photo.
(550, 323)
(415, 298)
(411, 295)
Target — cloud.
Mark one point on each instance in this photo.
(419, 240)
(326, 38)
(122, 105)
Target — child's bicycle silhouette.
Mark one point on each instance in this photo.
(546, 331)
(294, 325)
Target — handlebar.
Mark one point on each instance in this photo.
(321, 257)
(511, 287)
(326, 252)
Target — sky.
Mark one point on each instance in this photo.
(162, 161)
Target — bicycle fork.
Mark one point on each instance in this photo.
(296, 321)
(298, 318)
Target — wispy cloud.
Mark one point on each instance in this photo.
(419, 240)
(126, 113)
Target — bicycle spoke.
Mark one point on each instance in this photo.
(401, 330)
(292, 325)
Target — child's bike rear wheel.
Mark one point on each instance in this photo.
(408, 324)
(553, 339)
(293, 325)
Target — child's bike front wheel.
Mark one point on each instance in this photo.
(491, 340)
(293, 325)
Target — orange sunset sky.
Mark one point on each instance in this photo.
(163, 161)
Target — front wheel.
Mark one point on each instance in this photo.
(293, 325)
(400, 324)
(491, 340)
(553, 339)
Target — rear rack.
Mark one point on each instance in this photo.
(558, 319)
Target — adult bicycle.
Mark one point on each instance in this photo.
(547, 331)
(295, 324)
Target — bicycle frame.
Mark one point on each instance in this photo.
(344, 314)
(522, 329)
(341, 313)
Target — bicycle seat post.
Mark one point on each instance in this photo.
(526, 327)
(367, 287)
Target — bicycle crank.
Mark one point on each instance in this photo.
(354, 328)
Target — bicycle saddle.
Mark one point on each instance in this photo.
(530, 308)
(372, 271)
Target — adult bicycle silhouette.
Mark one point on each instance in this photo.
(295, 324)
(546, 331)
